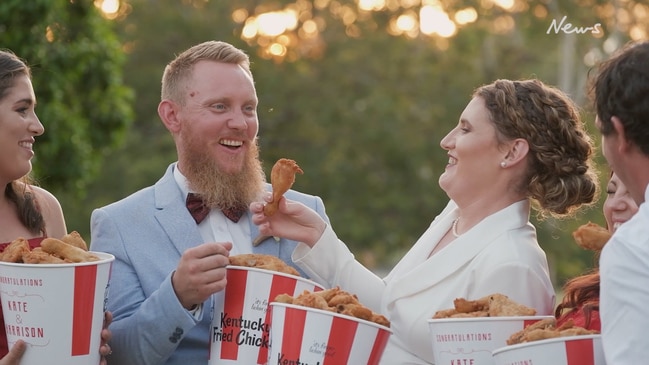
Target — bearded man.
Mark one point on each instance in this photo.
(171, 241)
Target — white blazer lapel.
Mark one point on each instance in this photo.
(417, 271)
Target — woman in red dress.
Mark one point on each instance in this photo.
(581, 294)
(26, 210)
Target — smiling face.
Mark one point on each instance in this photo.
(619, 206)
(215, 131)
(474, 156)
(219, 118)
(18, 127)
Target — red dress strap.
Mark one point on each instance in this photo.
(579, 319)
(33, 243)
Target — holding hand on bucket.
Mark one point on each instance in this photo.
(527, 140)
(26, 210)
(14, 355)
(201, 273)
(171, 241)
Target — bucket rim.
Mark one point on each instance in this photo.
(272, 272)
(546, 341)
(487, 319)
(104, 258)
(333, 314)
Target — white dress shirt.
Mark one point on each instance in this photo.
(624, 295)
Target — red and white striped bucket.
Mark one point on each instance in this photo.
(472, 340)
(303, 335)
(572, 350)
(57, 309)
(239, 331)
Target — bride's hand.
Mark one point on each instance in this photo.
(293, 220)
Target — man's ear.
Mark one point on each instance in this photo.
(517, 151)
(167, 110)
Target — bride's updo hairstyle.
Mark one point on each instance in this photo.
(560, 177)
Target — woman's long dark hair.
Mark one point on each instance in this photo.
(18, 191)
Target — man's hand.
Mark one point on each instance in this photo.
(201, 272)
(104, 348)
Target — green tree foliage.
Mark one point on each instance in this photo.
(77, 75)
(361, 109)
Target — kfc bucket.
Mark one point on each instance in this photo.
(307, 335)
(239, 331)
(57, 309)
(472, 340)
(572, 350)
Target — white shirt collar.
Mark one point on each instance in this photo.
(181, 180)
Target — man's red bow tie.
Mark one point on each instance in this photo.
(199, 210)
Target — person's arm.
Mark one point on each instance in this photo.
(153, 302)
(330, 263)
(623, 300)
(142, 326)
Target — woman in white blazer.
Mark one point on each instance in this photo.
(517, 143)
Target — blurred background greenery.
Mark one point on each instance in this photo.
(358, 92)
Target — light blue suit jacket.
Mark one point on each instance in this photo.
(147, 232)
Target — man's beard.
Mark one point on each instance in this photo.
(220, 189)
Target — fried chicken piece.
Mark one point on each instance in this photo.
(380, 319)
(501, 306)
(328, 294)
(545, 329)
(343, 298)
(520, 336)
(66, 251)
(261, 261)
(471, 314)
(445, 313)
(311, 300)
(577, 331)
(540, 334)
(15, 250)
(355, 310)
(591, 236)
(335, 300)
(74, 238)
(494, 305)
(282, 177)
(38, 256)
(466, 306)
(284, 298)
